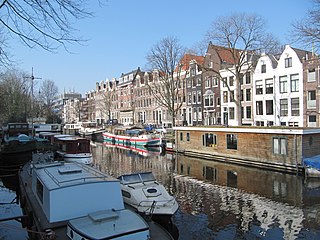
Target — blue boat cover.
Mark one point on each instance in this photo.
(313, 162)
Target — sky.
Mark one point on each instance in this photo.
(122, 32)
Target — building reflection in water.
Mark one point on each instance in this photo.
(225, 201)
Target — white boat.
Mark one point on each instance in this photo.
(143, 193)
(76, 201)
(132, 136)
(73, 148)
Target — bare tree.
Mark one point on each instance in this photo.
(307, 30)
(46, 24)
(15, 97)
(105, 100)
(164, 57)
(47, 94)
(244, 37)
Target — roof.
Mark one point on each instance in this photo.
(58, 175)
(224, 53)
(185, 60)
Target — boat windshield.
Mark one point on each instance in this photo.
(127, 179)
(147, 177)
(137, 178)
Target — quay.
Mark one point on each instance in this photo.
(274, 148)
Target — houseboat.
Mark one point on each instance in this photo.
(50, 127)
(18, 143)
(75, 201)
(73, 148)
(132, 136)
(274, 148)
(148, 197)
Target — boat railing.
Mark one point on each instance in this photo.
(161, 202)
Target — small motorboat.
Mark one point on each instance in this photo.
(145, 195)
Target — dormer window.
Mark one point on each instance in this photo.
(288, 62)
(193, 71)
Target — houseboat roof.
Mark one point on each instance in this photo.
(71, 138)
(60, 175)
(242, 129)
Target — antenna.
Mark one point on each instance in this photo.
(32, 77)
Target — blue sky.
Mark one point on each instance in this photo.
(122, 32)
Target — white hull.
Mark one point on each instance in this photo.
(85, 158)
(312, 172)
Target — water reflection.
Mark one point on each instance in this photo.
(223, 201)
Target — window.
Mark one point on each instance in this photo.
(311, 75)
(194, 94)
(207, 82)
(283, 107)
(248, 94)
(215, 81)
(311, 101)
(269, 107)
(188, 137)
(288, 62)
(283, 84)
(199, 82)
(280, 145)
(294, 79)
(189, 98)
(39, 189)
(181, 136)
(231, 112)
(263, 68)
(231, 81)
(231, 96)
(210, 140)
(224, 80)
(259, 109)
(199, 97)
(248, 78)
(259, 87)
(208, 98)
(232, 142)
(311, 95)
(294, 106)
(269, 86)
(225, 96)
(248, 112)
(210, 173)
(312, 121)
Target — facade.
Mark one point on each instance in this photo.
(64, 103)
(273, 90)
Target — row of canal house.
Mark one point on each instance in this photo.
(277, 91)
(279, 100)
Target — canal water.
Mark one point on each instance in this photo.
(216, 200)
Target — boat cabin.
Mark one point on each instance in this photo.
(59, 189)
(15, 129)
(72, 144)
